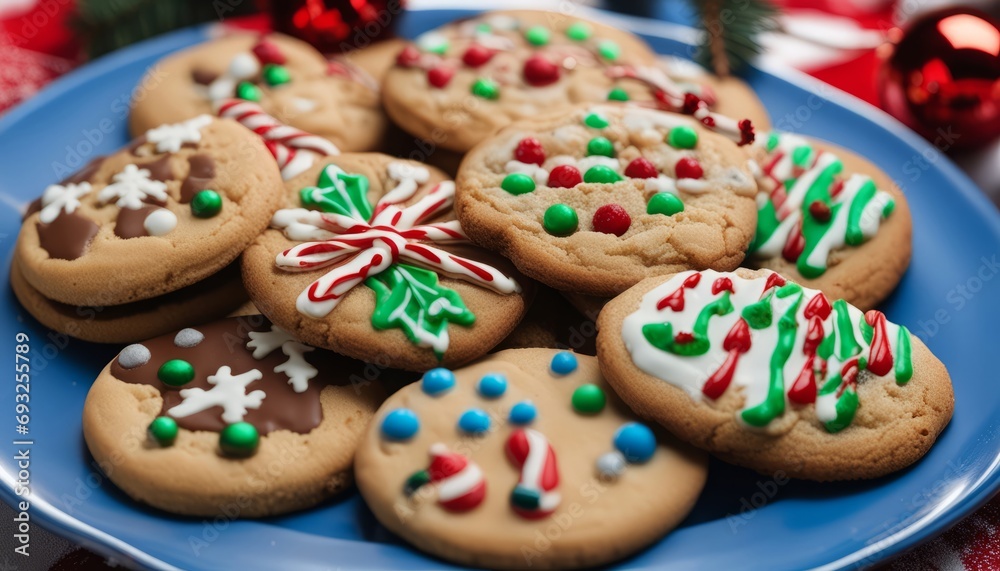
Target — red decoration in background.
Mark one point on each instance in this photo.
(942, 79)
(336, 25)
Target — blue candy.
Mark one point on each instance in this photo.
(400, 424)
(563, 363)
(523, 413)
(437, 381)
(474, 421)
(636, 442)
(492, 386)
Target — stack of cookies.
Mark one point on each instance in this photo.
(306, 297)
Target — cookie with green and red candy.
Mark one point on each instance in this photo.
(593, 199)
(827, 216)
(474, 465)
(286, 77)
(765, 373)
(171, 209)
(458, 84)
(235, 415)
(207, 300)
(365, 257)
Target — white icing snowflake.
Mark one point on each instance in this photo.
(229, 392)
(170, 138)
(131, 187)
(58, 198)
(296, 368)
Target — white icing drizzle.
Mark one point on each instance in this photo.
(228, 392)
(296, 368)
(170, 138)
(131, 187)
(58, 198)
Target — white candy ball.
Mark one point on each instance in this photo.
(611, 465)
(159, 222)
(243, 66)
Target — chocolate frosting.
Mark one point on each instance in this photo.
(68, 236)
(202, 172)
(159, 169)
(203, 77)
(225, 345)
(130, 223)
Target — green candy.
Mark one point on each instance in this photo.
(206, 204)
(588, 399)
(595, 120)
(664, 203)
(518, 183)
(579, 31)
(617, 94)
(248, 91)
(484, 28)
(560, 220)
(176, 373)
(682, 138)
(239, 440)
(537, 35)
(276, 74)
(163, 430)
(600, 146)
(609, 50)
(602, 174)
(485, 88)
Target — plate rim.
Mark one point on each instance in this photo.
(933, 524)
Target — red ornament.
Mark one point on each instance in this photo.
(440, 76)
(477, 55)
(408, 57)
(611, 219)
(641, 168)
(530, 151)
(565, 176)
(687, 167)
(268, 52)
(539, 71)
(942, 78)
(336, 25)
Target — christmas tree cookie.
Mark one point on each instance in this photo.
(235, 417)
(479, 464)
(165, 213)
(459, 83)
(367, 259)
(289, 80)
(828, 219)
(594, 198)
(774, 376)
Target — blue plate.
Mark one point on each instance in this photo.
(948, 297)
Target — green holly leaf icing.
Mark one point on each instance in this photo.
(339, 192)
(411, 299)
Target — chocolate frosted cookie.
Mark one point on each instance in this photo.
(290, 80)
(829, 219)
(595, 198)
(774, 376)
(458, 84)
(480, 465)
(235, 417)
(367, 259)
(176, 206)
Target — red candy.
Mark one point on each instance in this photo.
(820, 211)
(565, 176)
(408, 57)
(267, 52)
(688, 168)
(641, 168)
(539, 71)
(611, 219)
(477, 55)
(530, 151)
(440, 76)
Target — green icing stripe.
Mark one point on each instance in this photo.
(767, 225)
(847, 406)
(904, 357)
(866, 193)
(660, 335)
(774, 404)
(814, 230)
(849, 346)
(867, 331)
(340, 193)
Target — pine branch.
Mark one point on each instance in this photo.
(730, 31)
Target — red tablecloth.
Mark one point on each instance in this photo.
(37, 46)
